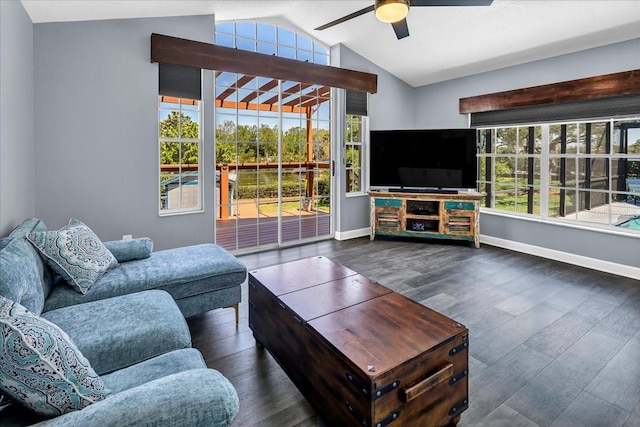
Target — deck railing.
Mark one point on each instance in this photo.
(222, 172)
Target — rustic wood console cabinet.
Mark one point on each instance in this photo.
(426, 215)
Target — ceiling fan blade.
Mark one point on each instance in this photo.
(346, 18)
(401, 28)
(418, 3)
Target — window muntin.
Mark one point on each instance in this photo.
(180, 151)
(512, 155)
(270, 40)
(273, 137)
(574, 171)
(354, 153)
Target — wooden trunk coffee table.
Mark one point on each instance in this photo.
(360, 353)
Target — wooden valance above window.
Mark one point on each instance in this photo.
(177, 51)
(588, 89)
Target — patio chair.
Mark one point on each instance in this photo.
(633, 186)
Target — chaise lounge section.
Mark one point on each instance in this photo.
(200, 278)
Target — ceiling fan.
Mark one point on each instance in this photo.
(395, 12)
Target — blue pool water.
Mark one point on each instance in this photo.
(632, 223)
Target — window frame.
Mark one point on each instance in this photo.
(575, 159)
(362, 143)
(181, 210)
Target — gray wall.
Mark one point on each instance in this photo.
(437, 106)
(390, 108)
(96, 120)
(17, 145)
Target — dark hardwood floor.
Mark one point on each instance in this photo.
(550, 344)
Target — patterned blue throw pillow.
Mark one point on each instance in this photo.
(74, 252)
(41, 367)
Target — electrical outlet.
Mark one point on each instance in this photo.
(127, 237)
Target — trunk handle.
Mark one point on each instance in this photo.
(443, 374)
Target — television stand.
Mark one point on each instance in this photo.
(426, 215)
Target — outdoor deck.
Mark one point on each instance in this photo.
(615, 213)
(252, 228)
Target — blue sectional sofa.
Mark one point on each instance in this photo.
(129, 326)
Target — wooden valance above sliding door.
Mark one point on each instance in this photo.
(177, 51)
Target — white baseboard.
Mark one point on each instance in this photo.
(352, 234)
(569, 258)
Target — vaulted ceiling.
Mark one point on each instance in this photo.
(444, 42)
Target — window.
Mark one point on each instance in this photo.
(510, 168)
(180, 153)
(270, 40)
(272, 144)
(355, 132)
(581, 171)
(354, 152)
(180, 148)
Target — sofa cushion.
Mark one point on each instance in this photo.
(27, 226)
(74, 252)
(20, 232)
(152, 369)
(197, 397)
(41, 367)
(118, 332)
(132, 249)
(183, 272)
(21, 275)
(4, 242)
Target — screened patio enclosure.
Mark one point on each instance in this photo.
(273, 158)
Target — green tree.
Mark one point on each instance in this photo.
(352, 156)
(179, 125)
(253, 144)
(294, 144)
(226, 142)
(268, 134)
(295, 134)
(321, 145)
(634, 147)
(352, 131)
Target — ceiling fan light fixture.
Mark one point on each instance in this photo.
(391, 11)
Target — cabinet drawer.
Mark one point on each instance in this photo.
(459, 224)
(460, 206)
(391, 203)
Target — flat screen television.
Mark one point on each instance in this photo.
(430, 159)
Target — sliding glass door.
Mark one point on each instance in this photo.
(273, 174)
